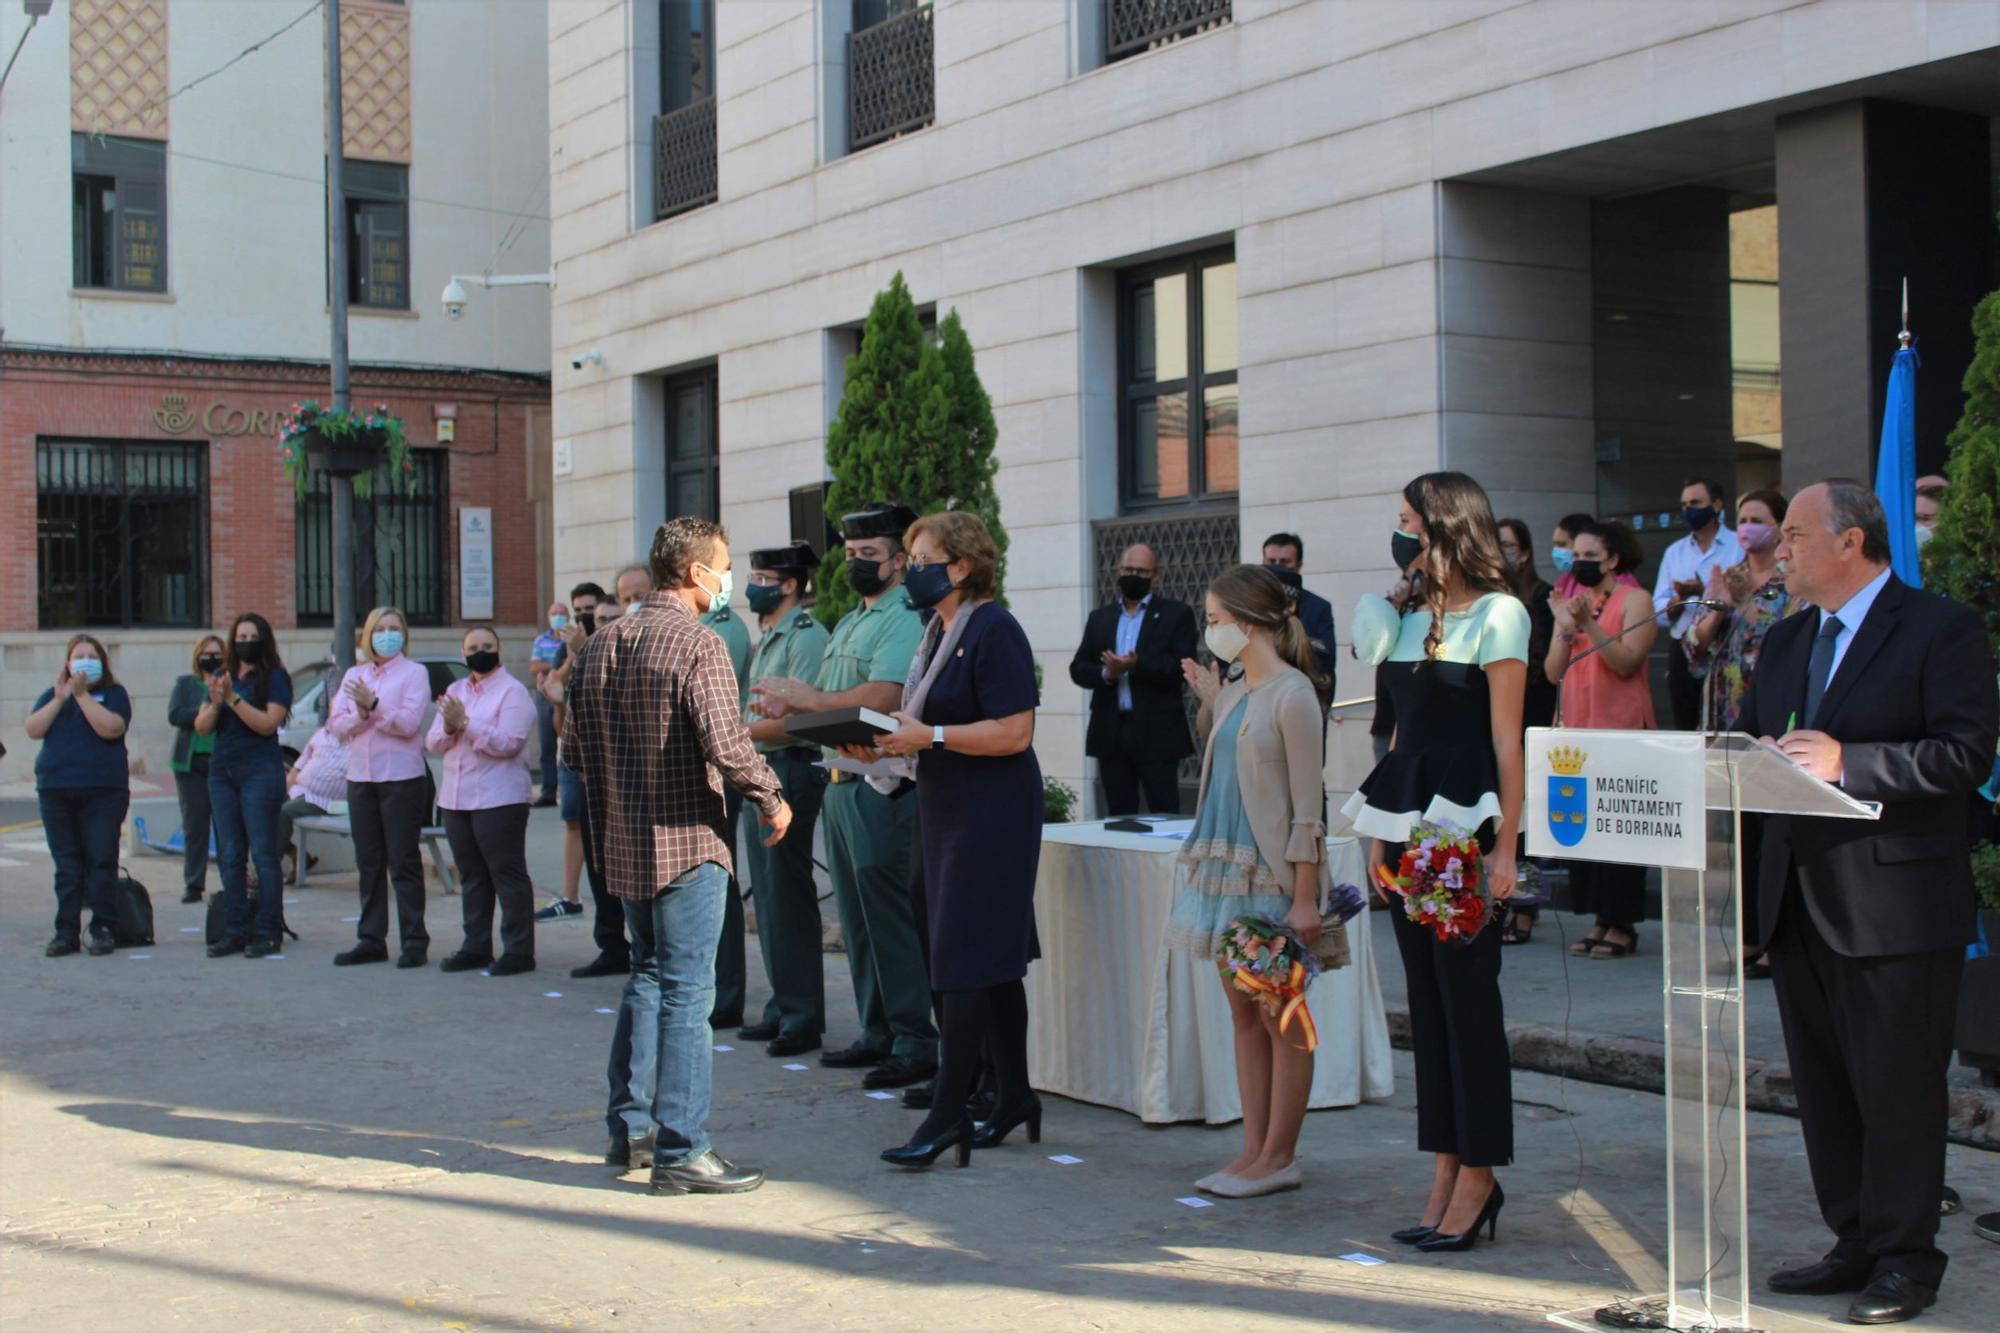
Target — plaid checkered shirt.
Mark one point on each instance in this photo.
(655, 728)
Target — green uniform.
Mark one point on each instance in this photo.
(869, 844)
(729, 969)
(781, 877)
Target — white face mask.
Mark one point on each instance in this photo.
(1226, 641)
(720, 597)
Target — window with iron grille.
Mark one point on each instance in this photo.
(694, 446)
(121, 534)
(891, 70)
(401, 544)
(1132, 26)
(1177, 382)
(118, 213)
(378, 234)
(684, 172)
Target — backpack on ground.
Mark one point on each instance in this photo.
(215, 928)
(135, 913)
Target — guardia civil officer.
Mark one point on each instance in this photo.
(723, 617)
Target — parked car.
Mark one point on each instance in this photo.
(310, 702)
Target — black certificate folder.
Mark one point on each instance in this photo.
(841, 726)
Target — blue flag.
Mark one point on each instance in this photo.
(1896, 467)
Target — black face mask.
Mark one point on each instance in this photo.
(1404, 548)
(1134, 587)
(1588, 573)
(865, 576)
(587, 619)
(483, 661)
(1698, 517)
(209, 664)
(250, 651)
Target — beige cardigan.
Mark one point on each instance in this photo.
(1279, 758)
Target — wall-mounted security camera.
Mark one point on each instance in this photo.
(454, 299)
(591, 358)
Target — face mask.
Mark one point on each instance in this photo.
(1513, 558)
(250, 651)
(1225, 641)
(1404, 547)
(587, 619)
(209, 664)
(1924, 534)
(1563, 556)
(1588, 573)
(1756, 536)
(720, 597)
(483, 661)
(764, 598)
(1134, 587)
(557, 624)
(929, 584)
(387, 642)
(1698, 517)
(89, 668)
(865, 576)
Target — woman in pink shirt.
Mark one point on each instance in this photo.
(379, 712)
(482, 728)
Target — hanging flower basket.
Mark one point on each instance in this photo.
(340, 443)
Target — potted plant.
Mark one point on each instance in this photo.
(1058, 802)
(342, 443)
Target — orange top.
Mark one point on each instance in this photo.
(1593, 695)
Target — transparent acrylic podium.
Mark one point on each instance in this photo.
(1709, 1271)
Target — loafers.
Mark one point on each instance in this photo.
(720, 1021)
(899, 1071)
(709, 1173)
(511, 965)
(414, 958)
(62, 946)
(857, 1056)
(361, 953)
(1890, 1298)
(792, 1043)
(1830, 1276)
(466, 962)
(602, 966)
(758, 1032)
(230, 944)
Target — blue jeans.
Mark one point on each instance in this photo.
(82, 826)
(662, 1054)
(244, 796)
(545, 735)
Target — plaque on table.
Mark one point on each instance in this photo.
(841, 726)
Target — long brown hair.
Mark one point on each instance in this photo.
(1253, 595)
(1523, 574)
(103, 657)
(261, 670)
(1461, 543)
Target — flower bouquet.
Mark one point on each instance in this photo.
(1266, 961)
(1441, 880)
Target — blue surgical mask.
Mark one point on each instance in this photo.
(558, 623)
(388, 642)
(727, 578)
(1563, 556)
(89, 668)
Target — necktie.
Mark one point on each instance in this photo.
(1821, 667)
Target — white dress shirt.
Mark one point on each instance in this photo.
(1129, 621)
(1686, 560)
(1851, 612)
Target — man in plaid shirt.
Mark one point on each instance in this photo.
(655, 729)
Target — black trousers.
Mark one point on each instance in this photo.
(1615, 895)
(192, 789)
(1125, 777)
(388, 823)
(607, 913)
(1458, 1034)
(1683, 689)
(491, 849)
(1870, 1043)
(729, 961)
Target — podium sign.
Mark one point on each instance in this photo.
(1630, 797)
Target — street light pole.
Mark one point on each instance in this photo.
(336, 242)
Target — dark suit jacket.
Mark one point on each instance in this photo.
(1914, 708)
(1316, 618)
(1166, 635)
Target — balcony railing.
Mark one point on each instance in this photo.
(684, 159)
(1132, 26)
(891, 79)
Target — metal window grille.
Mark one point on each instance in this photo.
(891, 78)
(121, 534)
(684, 172)
(1132, 26)
(401, 545)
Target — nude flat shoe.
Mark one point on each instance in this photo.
(1235, 1187)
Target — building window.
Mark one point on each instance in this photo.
(378, 234)
(1177, 382)
(1132, 26)
(401, 545)
(891, 70)
(121, 534)
(694, 446)
(684, 170)
(118, 214)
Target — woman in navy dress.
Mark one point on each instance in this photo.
(969, 721)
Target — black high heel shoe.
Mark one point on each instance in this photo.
(1489, 1218)
(1413, 1235)
(917, 1154)
(996, 1130)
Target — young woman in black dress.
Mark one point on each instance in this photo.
(1457, 673)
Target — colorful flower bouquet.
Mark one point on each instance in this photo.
(1266, 961)
(1441, 880)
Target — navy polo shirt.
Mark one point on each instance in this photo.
(73, 755)
(234, 741)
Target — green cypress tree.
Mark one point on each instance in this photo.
(1962, 559)
(955, 461)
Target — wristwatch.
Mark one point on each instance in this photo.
(937, 737)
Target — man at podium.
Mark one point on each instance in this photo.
(1888, 692)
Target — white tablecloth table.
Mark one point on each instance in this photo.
(1118, 1019)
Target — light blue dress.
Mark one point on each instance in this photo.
(1222, 875)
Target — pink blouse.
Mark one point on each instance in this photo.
(483, 767)
(385, 744)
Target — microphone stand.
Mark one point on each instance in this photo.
(1597, 648)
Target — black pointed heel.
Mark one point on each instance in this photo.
(916, 1154)
(1003, 1123)
(1413, 1235)
(1489, 1219)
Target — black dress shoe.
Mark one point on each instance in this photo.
(101, 944)
(922, 1152)
(191, 896)
(1890, 1299)
(361, 953)
(856, 1056)
(1000, 1124)
(1825, 1278)
(631, 1153)
(1488, 1219)
(1415, 1235)
(227, 945)
(263, 947)
(414, 958)
(604, 965)
(719, 1021)
(62, 946)
(759, 1032)
(706, 1174)
(511, 965)
(919, 1096)
(899, 1071)
(466, 962)
(792, 1043)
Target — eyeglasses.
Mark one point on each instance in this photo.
(1134, 569)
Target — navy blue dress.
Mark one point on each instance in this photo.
(981, 815)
